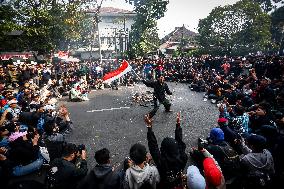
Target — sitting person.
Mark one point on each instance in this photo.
(24, 152)
(77, 95)
(194, 178)
(51, 132)
(140, 174)
(212, 172)
(66, 172)
(102, 176)
(256, 162)
(223, 153)
(63, 120)
(240, 123)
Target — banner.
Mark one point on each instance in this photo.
(123, 69)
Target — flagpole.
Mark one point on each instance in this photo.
(136, 74)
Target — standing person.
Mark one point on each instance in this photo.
(171, 158)
(160, 88)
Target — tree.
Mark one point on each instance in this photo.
(267, 5)
(144, 37)
(48, 24)
(8, 23)
(277, 28)
(236, 29)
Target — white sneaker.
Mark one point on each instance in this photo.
(205, 99)
(213, 101)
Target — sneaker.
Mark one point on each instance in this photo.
(205, 99)
(168, 110)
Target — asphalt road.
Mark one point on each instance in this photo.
(111, 120)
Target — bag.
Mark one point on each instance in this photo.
(231, 164)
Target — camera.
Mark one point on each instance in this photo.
(202, 143)
(81, 147)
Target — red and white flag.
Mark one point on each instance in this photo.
(123, 69)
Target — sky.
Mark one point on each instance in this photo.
(187, 12)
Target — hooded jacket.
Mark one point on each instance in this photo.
(194, 179)
(101, 177)
(67, 174)
(170, 159)
(263, 162)
(135, 177)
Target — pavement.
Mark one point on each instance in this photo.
(111, 120)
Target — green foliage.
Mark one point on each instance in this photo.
(144, 37)
(8, 23)
(177, 53)
(47, 24)
(267, 5)
(236, 29)
(277, 28)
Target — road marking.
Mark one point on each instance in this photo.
(120, 108)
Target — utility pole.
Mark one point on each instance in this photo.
(115, 42)
(124, 37)
(96, 21)
(100, 50)
(182, 40)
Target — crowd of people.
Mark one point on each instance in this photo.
(243, 151)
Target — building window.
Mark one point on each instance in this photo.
(109, 40)
(102, 40)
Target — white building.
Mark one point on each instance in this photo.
(114, 27)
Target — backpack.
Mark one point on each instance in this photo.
(231, 164)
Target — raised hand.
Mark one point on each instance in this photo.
(178, 118)
(148, 120)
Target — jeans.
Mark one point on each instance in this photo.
(4, 142)
(27, 169)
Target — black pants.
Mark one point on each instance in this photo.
(166, 104)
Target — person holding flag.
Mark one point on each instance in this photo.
(159, 96)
